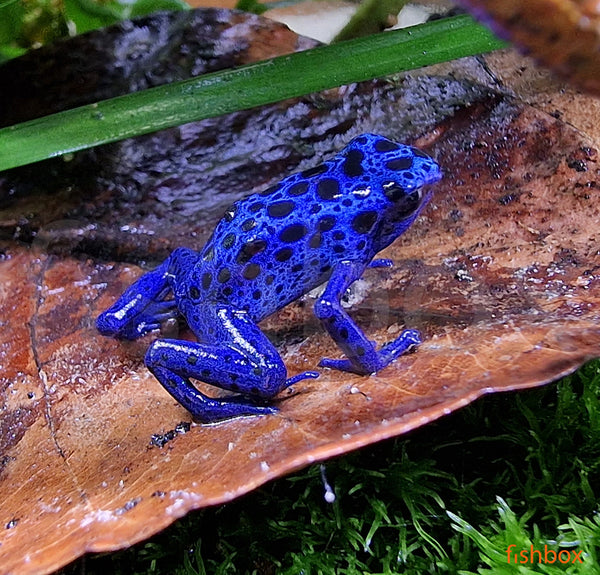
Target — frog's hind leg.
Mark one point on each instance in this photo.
(239, 358)
(363, 357)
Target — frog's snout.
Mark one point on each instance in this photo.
(434, 174)
(427, 168)
(106, 323)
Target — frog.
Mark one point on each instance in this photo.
(322, 225)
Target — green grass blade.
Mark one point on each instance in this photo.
(242, 88)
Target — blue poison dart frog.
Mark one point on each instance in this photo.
(324, 224)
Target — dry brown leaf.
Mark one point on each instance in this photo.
(501, 274)
(562, 34)
(539, 87)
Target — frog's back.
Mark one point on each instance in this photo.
(274, 246)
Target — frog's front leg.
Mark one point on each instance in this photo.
(143, 306)
(363, 357)
(238, 357)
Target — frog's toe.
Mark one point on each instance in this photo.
(301, 376)
(235, 407)
(404, 342)
(381, 263)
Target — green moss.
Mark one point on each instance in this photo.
(515, 547)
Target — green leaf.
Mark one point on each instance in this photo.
(143, 7)
(242, 88)
(10, 52)
(88, 14)
(371, 16)
(11, 25)
(251, 6)
(11, 18)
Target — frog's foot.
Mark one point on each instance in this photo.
(215, 410)
(208, 409)
(404, 342)
(376, 360)
(149, 318)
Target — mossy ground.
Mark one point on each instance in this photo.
(516, 468)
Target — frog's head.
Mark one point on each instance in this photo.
(401, 172)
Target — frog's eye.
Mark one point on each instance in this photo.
(406, 202)
(394, 191)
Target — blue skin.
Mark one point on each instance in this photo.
(322, 225)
